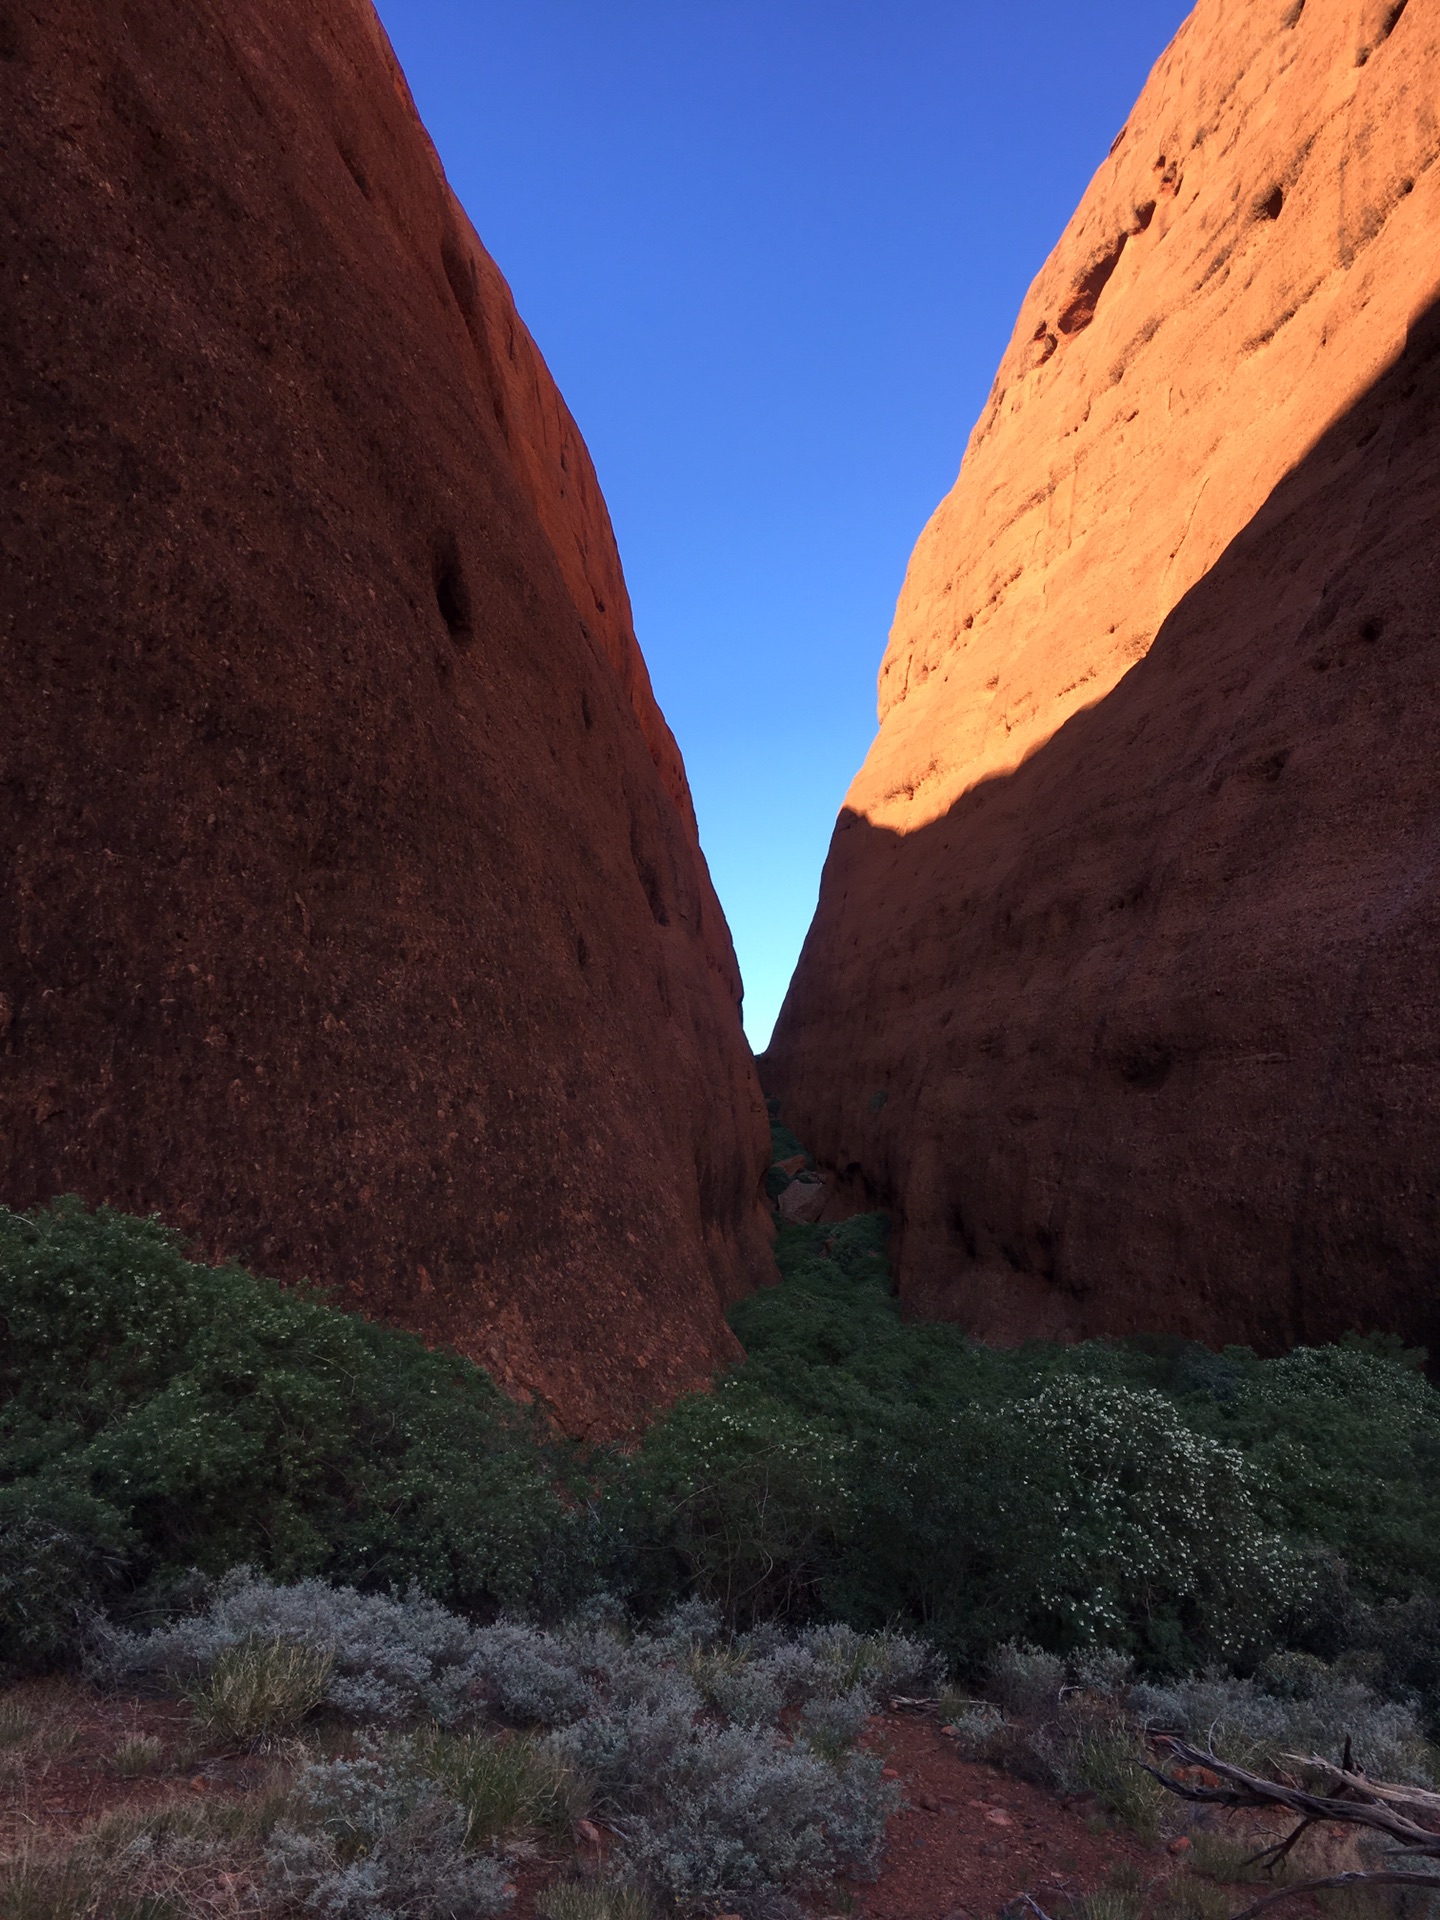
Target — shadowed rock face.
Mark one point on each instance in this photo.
(1121, 990)
(353, 915)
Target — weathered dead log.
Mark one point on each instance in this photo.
(1409, 1817)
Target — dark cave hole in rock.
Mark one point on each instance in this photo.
(356, 172)
(460, 272)
(452, 597)
(1085, 297)
(1146, 1065)
(963, 1231)
(650, 880)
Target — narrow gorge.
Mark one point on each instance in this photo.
(354, 915)
(474, 1443)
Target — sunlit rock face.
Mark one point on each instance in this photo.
(353, 916)
(1122, 988)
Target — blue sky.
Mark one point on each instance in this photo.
(772, 251)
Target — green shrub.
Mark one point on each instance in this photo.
(63, 1552)
(754, 1497)
(783, 1143)
(776, 1181)
(160, 1414)
(1348, 1438)
(1181, 1505)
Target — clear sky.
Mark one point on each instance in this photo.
(772, 251)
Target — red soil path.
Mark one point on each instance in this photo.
(972, 1839)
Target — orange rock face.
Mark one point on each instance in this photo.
(353, 915)
(1121, 990)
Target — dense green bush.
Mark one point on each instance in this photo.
(158, 1415)
(61, 1552)
(1175, 1504)
(1178, 1506)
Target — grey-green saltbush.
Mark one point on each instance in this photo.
(1316, 1714)
(711, 1799)
(1044, 1715)
(738, 1813)
(371, 1839)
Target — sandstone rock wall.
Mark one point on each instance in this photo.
(353, 915)
(1121, 990)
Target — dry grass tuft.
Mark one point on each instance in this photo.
(138, 1755)
(593, 1900)
(184, 1859)
(508, 1787)
(260, 1689)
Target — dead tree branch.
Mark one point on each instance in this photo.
(1408, 1817)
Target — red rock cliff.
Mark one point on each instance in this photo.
(353, 914)
(1121, 989)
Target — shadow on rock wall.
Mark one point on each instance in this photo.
(1145, 1036)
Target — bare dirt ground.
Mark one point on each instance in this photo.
(971, 1842)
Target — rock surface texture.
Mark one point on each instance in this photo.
(353, 914)
(1122, 989)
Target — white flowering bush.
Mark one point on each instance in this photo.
(1152, 1522)
(1353, 1374)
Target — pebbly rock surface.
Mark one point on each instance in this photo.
(1122, 987)
(353, 914)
